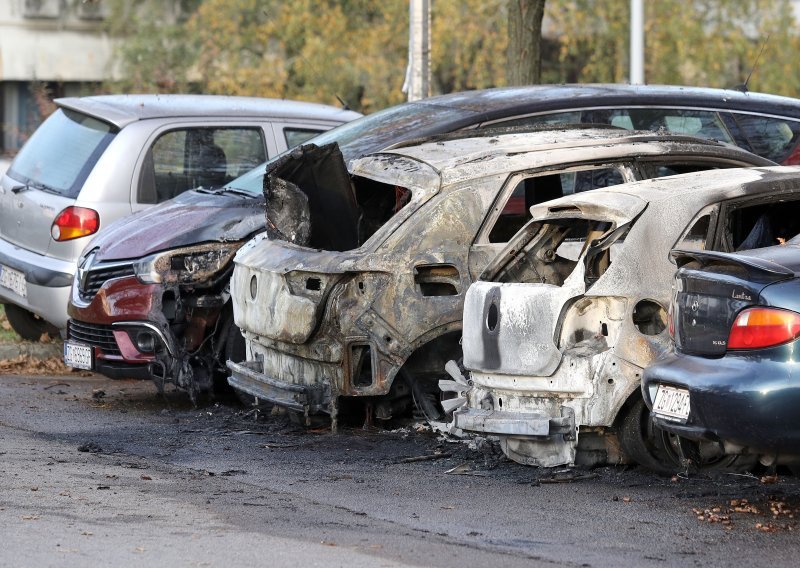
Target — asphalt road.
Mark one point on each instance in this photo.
(127, 477)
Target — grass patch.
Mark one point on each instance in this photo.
(7, 334)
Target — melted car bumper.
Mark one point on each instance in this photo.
(249, 377)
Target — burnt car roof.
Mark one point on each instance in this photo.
(461, 158)
(122, 110)
(540, 98)
(693, 189)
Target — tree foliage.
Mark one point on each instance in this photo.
(356, 50)
(710, 43)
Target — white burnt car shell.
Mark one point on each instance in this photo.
(557, 332)
(363, 276)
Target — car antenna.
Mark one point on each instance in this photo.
(743, 87)
(344, 104)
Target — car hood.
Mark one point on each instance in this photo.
(189, 219)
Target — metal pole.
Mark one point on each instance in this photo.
(418, 75)
(637, 43)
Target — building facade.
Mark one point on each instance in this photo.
(47, 48)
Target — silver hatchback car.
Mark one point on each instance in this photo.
(97, 159)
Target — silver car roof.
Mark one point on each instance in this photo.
(122, 110)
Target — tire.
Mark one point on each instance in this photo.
(667, 454)
(642, 442)
(28, 325)
(705, 457)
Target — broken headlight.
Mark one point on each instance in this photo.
(187, 265)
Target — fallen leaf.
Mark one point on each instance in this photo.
(146, 478)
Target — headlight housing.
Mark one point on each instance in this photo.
(188, 265)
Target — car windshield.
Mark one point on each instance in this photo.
(372, 133)
(62, 152)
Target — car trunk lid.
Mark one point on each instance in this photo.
(280, 290)
(713, 287)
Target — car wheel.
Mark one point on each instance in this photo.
(643, 443)
(426, 395)
(28, 325)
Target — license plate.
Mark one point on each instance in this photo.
(671, 403)
(13, 280)
(77, 356)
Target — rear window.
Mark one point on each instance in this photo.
(393, 125)
(773, 138)
(62, 152)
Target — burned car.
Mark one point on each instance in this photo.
(361, 278)
(563, 322)
(731, 382)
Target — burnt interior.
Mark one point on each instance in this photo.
(311, 188)
(763, 225)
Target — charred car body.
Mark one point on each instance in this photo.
(732, 380)
(364, 277)
(557, 334)
(767, 125)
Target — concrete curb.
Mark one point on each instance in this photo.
(32, 350)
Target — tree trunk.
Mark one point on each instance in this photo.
(524, 65)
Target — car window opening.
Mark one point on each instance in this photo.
(538, 189)
(764, 225)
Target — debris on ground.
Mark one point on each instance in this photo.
(781, 514)
(426, 457)
(27, 365)
(91, 447)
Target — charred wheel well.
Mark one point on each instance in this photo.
(431, 356)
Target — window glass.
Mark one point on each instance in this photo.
(538, 189)
(705, 124)
(62, 152)
(663, 170)
(773, 138)
(296, 136)
(198, 157)
(571, 117)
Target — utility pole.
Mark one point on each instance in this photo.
(418, 74)
(637, 43)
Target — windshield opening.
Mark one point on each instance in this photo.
(370, 134)
(62, 152)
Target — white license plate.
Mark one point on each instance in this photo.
(671, 403)
(14, 280)
(77, 356)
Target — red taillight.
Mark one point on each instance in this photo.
(75, 222)
(763, 327)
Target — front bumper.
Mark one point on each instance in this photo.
(111, 324)
(249, 377)
(48, 283)
(745, 399)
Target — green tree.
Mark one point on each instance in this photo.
(152, 53)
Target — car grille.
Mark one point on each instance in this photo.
(95, 335)
(99, 276)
